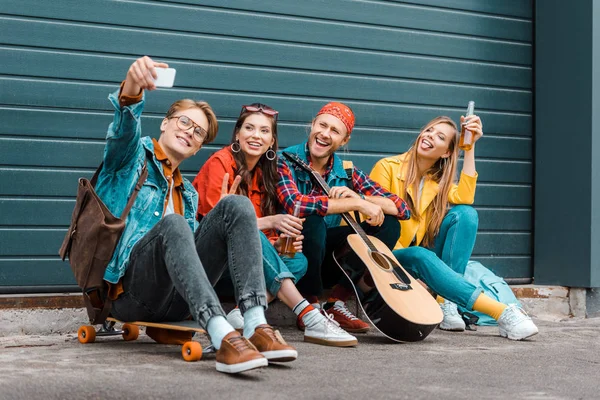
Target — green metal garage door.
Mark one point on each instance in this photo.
(398, 64)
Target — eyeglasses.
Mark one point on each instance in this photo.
(185, 123)
(263, 109)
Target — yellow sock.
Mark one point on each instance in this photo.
(440, 299)
(489, 306)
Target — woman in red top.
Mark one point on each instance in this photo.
(252, 155)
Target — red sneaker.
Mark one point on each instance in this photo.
(348, 321)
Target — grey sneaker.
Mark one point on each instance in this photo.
(236, 320)
(452, 320)
(515, 324)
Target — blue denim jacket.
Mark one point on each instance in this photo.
(124, 156)
(337, 176)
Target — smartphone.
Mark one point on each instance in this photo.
(165, 77)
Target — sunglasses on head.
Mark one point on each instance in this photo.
(262, 109)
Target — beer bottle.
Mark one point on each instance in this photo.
(466, 137)
(288, 247)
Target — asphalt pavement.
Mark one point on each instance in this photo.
(561, 362)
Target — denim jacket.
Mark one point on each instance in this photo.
(124, 156)
(336, 177)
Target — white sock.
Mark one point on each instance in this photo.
(298, 308)
(253, 317)
(217, 328)
(310, 317)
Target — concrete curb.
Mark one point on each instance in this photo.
(44, 321)
(550, 303)
(21, 315)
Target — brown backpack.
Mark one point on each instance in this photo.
(90, 243)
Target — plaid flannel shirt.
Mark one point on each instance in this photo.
(317, 202)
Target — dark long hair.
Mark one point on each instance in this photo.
(268, 203)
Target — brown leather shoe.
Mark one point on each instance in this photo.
(237, 354)
(271, 345)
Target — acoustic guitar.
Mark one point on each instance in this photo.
(398, 306)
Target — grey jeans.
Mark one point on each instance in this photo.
(172, 271)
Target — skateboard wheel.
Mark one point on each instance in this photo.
(130, 332)
(86, 334)
(191, 351)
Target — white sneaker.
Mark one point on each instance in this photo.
(323, 329)
(236, 320)
(515, 324)
(452, 320)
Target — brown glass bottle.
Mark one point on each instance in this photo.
(466, 137)
(288, 246)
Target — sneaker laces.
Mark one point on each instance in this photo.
(343, 309)
(514, 314)
(240, 343)
(275, 336)
(449, 308)
(331, 324)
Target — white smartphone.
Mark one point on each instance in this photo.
(165, 77)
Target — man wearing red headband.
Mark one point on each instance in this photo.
(350, 191)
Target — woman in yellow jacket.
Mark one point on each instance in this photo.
(437, 241)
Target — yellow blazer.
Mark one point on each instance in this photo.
(391, 173)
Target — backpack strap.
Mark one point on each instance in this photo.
(136, 190)
(349, 168)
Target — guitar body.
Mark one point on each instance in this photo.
(399, 306)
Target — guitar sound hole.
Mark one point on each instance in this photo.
(381, 261)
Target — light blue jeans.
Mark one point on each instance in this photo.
(443, 267)
(279, 267)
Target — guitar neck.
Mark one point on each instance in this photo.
(325, 187)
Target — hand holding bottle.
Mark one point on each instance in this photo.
(290, 242)
(471, 131)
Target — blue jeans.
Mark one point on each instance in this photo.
(442, 268)
(279, 267)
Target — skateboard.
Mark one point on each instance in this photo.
(190, 351)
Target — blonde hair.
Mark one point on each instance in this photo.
(443, 171)
(186, 104)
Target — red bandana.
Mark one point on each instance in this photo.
(341, 112)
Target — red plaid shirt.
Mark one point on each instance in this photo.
(317, 202)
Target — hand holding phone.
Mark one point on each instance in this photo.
(165, 77)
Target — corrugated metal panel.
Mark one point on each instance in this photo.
(398, 64)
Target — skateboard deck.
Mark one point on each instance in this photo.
(191, 351)
(185, 326)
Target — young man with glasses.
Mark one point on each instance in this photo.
(354, 191)
(166, 263)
